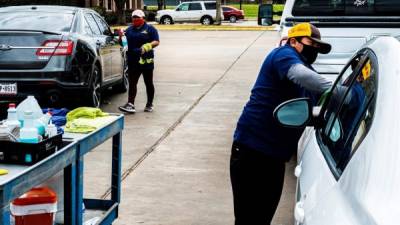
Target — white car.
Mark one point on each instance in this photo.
(349, 160)
(346, 25)
(197, 11)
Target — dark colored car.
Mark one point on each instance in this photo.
(232, 14)
(58, 53)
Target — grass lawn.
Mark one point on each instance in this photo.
(250, 10)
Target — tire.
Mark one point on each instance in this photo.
(206, 20)
(166, 20)
(94, 94)
(123, 85)
(232, 19)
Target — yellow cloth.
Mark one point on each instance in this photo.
(85, 112)
(86, 125)
(86, 119)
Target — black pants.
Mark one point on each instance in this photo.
(257, 182)
(134, 75)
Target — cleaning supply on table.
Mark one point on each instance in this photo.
(3, 172)
(36, 207)
(86, 119)
(51, 130)
(42, 123)
(29, 133)
(12, 119)
(29, 104)
(87, 125)
(85, 112)
(5, 134)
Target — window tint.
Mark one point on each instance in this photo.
(184, 7)
(226, 9)
(92, 24)
(350, 111)
(43, 21)
(194, 6)
(87, 28)
(210, 5)
(104, 29)
(346, 8)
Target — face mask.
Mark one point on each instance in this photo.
(138, 22)
(310, 53)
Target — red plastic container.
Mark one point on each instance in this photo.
(36, 207)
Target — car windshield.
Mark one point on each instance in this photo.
(42, 21)
(346, 8)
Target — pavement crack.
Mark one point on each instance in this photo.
(131, 169)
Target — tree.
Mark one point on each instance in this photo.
(120, 10)
(218, 16)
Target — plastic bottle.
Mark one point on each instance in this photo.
(12, 119)
(28, 133)
(42, 122)
(51, 130)
(29, 104)
(124, 42)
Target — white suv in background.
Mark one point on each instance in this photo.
(196, 11)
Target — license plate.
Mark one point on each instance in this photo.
(8, 89)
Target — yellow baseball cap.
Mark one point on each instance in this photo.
(310, 31)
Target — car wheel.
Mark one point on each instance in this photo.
(123, 85)
(166, 20)
(206, 20)
(232, 19)
(94, 96)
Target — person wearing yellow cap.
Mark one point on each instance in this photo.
(260, 146)
(142, 38)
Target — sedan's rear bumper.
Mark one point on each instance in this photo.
(43, 85)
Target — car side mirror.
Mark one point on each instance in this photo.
(295, 113)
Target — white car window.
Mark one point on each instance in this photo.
(349, 111)
(183, 7)
(194, 6)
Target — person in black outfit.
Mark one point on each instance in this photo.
(141, 38)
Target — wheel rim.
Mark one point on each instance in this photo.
(96, 95)
(232, 19)
(167, 21)
(206, 21)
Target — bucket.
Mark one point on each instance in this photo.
(36, 207)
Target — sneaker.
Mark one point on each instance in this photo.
(148, 108)
(128, 107)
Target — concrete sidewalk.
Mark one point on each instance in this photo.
(176, 159)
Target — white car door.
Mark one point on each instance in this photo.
(181, 13)
(195, 12)
(328, 150)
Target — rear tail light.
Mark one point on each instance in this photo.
(56, 47)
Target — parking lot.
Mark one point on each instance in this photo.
(176, 159)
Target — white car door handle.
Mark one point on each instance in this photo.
(298, 170)
(299, 213)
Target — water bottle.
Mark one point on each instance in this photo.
(29, 133)
(124, 42)
(12, 119)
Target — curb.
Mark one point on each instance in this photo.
(190, 27)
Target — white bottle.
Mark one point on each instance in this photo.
(42, 122)
(51, 130)
(12, 119)
(28, 133)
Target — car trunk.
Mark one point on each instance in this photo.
(20, 49)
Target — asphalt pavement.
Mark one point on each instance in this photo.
(176, 159)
